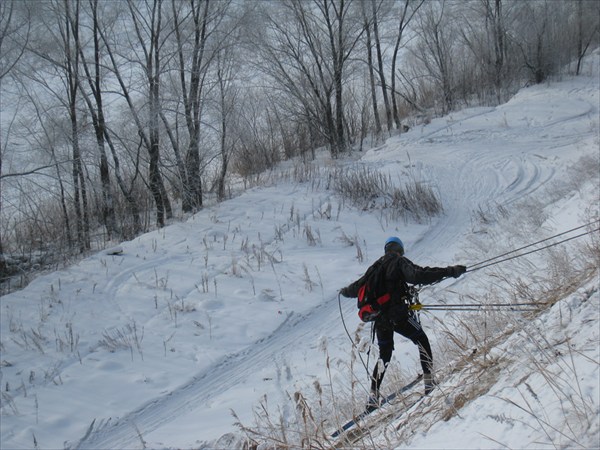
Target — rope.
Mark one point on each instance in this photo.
(365, 365)
(478, 307)
(483, 264)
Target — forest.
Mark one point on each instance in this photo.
(119, 117)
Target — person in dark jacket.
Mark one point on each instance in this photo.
(395, 315)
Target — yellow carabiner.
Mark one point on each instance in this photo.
(416, 307)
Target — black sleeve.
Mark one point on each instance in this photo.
(414, 274)
(351, 290)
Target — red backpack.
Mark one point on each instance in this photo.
(372, 294)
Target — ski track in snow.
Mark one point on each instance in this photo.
(235, 368)
(527, 175)
(229, 372)
(503, 174)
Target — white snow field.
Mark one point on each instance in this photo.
(154, 347)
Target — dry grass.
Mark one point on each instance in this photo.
(370, 190)
(468, 358)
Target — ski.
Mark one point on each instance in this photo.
(355, 434)
(369, 409)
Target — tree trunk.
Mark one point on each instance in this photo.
(336, 41)
(157, 188)
(224, 157)
(149, 139)
(402, 24)
(99, 123)
(79, 185)
(499, 49)
(103, 138)
(384, 90)
(372, 75)
(192, 91)
(108, 207)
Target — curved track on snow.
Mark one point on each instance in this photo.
(477, 175)
(505, 172)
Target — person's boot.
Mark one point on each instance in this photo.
(429, 382)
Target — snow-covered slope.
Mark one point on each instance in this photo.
(153, 347)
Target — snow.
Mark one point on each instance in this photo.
(519, 409)
(152, 343)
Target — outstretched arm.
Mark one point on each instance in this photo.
(414, 274)
(351, 290)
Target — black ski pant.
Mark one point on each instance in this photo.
(411, 329)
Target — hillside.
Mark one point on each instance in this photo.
(153, 344)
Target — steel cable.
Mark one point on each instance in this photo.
(474, 267)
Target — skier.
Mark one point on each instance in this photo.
(395, 315)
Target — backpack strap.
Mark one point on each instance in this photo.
(372, 293)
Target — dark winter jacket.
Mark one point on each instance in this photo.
(400, 271)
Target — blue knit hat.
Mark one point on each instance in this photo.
(394, 244)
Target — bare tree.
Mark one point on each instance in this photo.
(227, 99)
(307, 52)
(96, 110)
(375, 9)
(258, 147)
(202, 30)
(435, 50)
(14, 36)
(484, 35)
(344, 32)
(540, 38)
(59, 76)
(192, 84)
(102, 133)
(43, 135)
(587, 28)
(70, 35)
(407, 13)
(153, 71)
(370, 67)
(147, 27)
(496, 21)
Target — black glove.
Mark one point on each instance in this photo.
(456, 271)
(344, 292)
